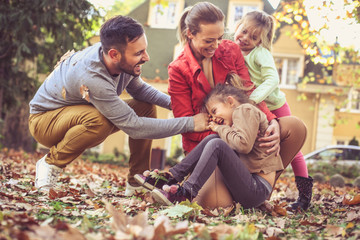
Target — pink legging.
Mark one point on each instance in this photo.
(298, 164)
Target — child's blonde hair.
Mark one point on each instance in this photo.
(264, 22)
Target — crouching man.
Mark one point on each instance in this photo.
(78, 105)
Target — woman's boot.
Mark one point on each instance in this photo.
(304, 185)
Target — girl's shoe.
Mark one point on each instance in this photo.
(304, 185)
(171, 197)
(154, 179)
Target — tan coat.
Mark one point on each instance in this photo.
(248, 120)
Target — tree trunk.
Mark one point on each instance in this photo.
(16, 131)
(2, 79)
(1, 100)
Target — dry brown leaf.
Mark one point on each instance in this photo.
(279, 210)
(42, 232)
(199, 229)
(354, 201)
(90, 193)
(237, 208)
(127, 227)
(159, 232)
(273, 238)
(180, 227)
(280, 222)
(210, 212)
(228, 210)
(71, 234)
(64, 57)
(84, 91)
(119, 218)
(273, 231)
(163, 227)
(63, 93)
(53, 194)
(352, 215)
(139, 220)
(308, 223)
(221, 229)
(148, 198)
(350, 225)
(334, 230)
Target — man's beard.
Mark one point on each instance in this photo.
(123, 66)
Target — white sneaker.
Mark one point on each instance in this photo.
(130, 190)
(46, 174)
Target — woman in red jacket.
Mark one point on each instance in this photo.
(205, 62)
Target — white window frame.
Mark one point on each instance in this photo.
(248, 6)
(353, 93)
(300, 69)
(165, 21)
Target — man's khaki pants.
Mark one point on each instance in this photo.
(69, 131)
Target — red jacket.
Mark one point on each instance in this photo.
(188, 85)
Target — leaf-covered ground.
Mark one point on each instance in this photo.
(89, 203)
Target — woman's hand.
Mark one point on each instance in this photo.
(271, 138)
(213, 126)
(201, 121)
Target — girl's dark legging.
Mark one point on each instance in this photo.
(250, 190)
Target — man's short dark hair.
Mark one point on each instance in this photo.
(118, 31)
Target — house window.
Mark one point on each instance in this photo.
(354, 100)
(238, 8)
(165, 13)
(290, 70)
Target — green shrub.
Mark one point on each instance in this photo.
(118, 158)
(330, 169)
(175, 158)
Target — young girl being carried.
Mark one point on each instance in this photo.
(249, 172)
(254, 34)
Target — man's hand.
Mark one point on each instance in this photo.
(271, 139)
(201, 122)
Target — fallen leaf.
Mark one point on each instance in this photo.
(90, 193)
(280, 223)
(64, 57)
(177, 211)
(354, 201)
(334, 230)
(53, 194)
(273, 231)
(84, 91)
(279, 210)
(63, 93)
(352, 215)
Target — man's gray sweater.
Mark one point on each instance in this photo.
(83, 79)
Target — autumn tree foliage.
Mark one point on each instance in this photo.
(37, 30)
(122, 7)
(294, 13)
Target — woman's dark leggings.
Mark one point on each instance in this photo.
(250, 190)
